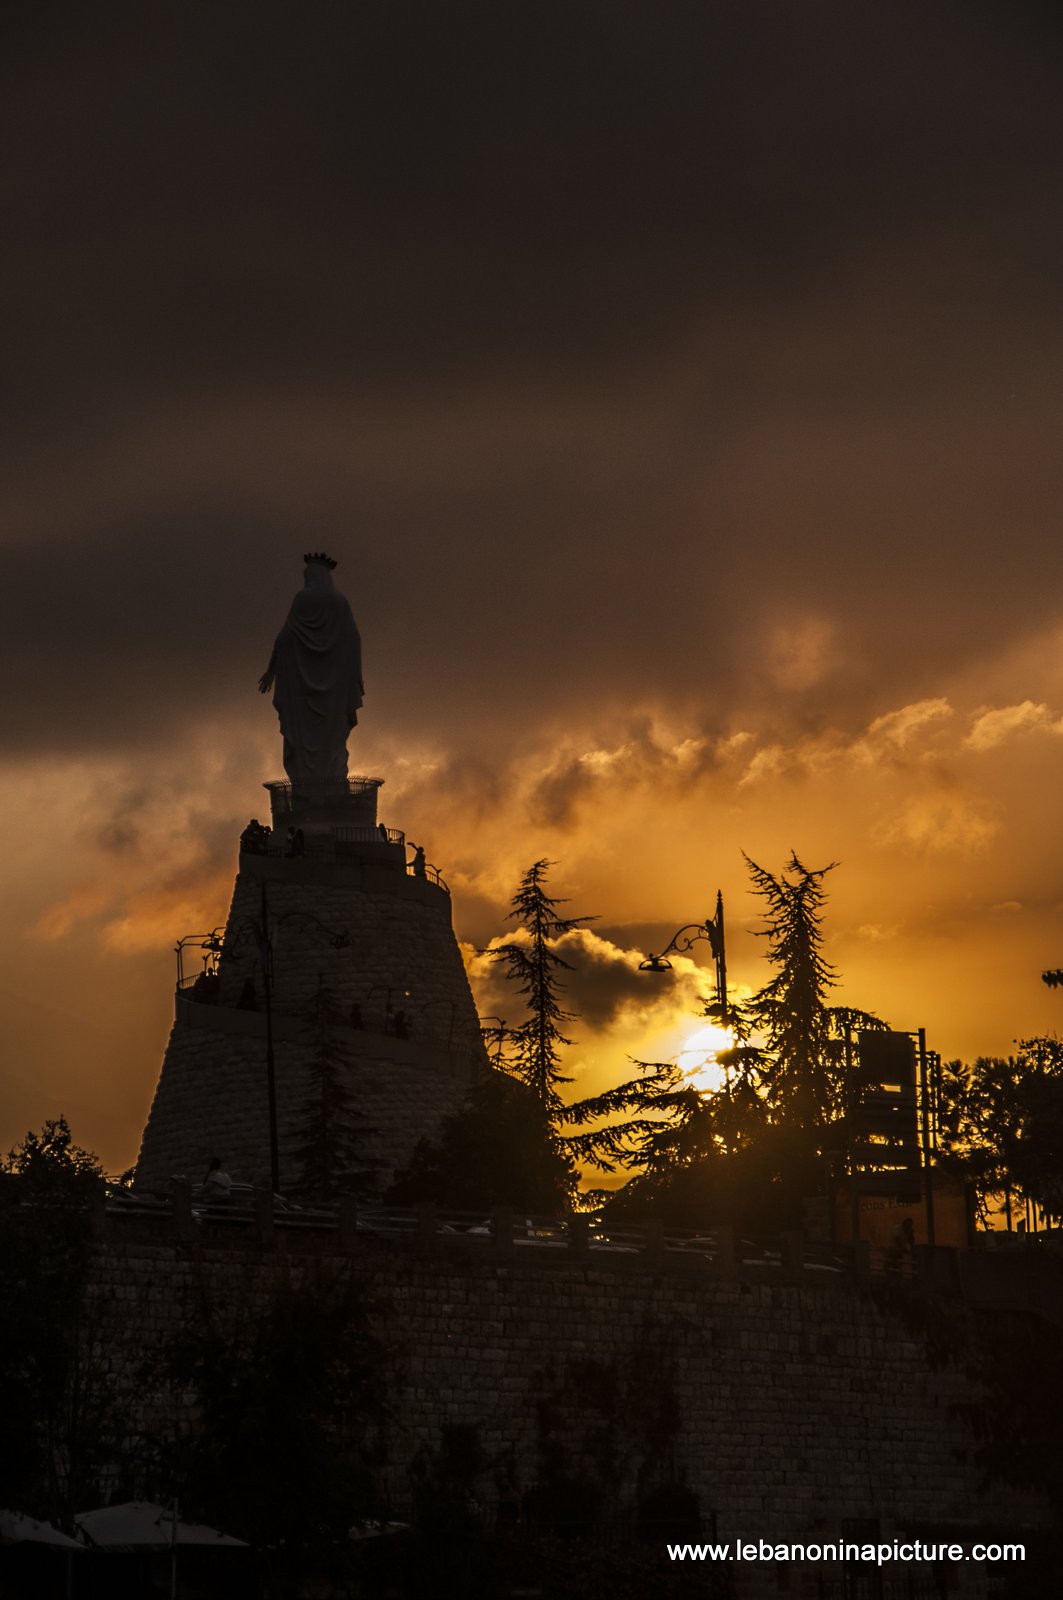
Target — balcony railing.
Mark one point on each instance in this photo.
(320, 790)
(330, 846)
(429, 872)
(340, 843)
(201, 987)
(380, 834)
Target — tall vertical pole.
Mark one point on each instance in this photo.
(720, 952)
(173, 1550)
(850, 1127)
(928, 1110)
(271, 1072)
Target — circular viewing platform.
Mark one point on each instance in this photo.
(325, 803)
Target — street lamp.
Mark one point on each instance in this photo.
(711, 930)
(263, 935)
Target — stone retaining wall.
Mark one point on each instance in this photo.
(793, 1410)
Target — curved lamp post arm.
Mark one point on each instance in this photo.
(262, 934)
(711, 930)
(696, 931)
(247, 930)
(211, 942)
(338, 939)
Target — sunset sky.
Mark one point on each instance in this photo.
(679, 386)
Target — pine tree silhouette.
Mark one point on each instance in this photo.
(801, 1066)
(534, 965)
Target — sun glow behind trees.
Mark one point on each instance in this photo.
(698, 1059)
(770, 1082)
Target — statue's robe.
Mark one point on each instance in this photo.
(318, 686)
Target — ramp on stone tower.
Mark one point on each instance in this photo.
(365, 973)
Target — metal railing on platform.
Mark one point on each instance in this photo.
(428, 871)
(330, 846)
(322, 790)
(379, 835)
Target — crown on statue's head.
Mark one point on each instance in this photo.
(319, 555)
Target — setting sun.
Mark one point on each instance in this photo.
(698, 1056)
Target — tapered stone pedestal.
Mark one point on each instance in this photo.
(345, 918)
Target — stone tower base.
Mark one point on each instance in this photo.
(365, 973)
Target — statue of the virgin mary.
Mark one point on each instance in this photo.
(316, 666)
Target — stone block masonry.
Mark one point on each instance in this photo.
(403, 1034)
(792, 1410)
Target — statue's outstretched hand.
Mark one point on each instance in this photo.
(265, 683)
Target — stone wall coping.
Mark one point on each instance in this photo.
(550, 1246)
(351, 1230)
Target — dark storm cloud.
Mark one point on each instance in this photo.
(603, 341)
(601, 982)
(385, 187)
